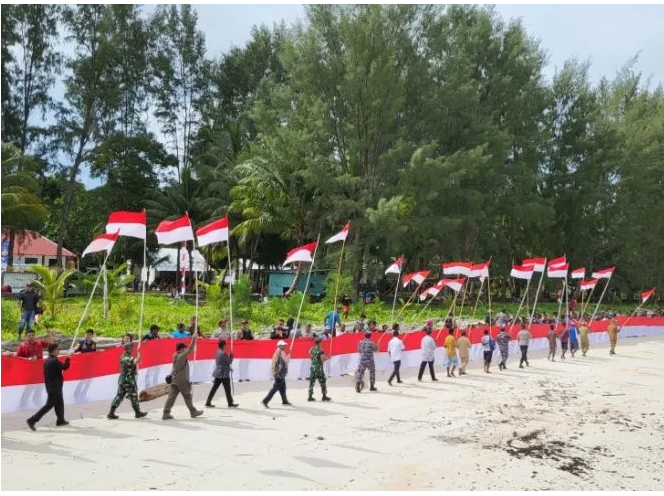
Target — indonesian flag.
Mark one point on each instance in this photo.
(395, 268)
(432, 291)
(457, 268)
(558, 261)
(558, 271)
(418, 277)
(174, 231)
(183, 268)
(301, 253)
(454, 284)
(522, 272)
(103, 242)
(579, 273)
(537, 263)
(589, 284)
(604, 274)
(215, 232)
(480, 270)
(647, 294)
(340, 236)
(132, 224)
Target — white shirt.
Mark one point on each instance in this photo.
(394, 347)
(428, 349)
(485, 342)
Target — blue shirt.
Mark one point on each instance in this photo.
(332, 318)
(572, 334)
(178, 334)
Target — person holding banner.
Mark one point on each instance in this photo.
(450, 347)
(222, 375)
(179, 381)
(428, 349)
(280, 361)
(127, 383)
(395, 347)
(552, 336)
(523, 338)
(583, 335)
(503, 340)
(53, 381)
(316, 372)
(366, 348)
(464, 345)
(613, 335)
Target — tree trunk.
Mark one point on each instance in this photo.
(298, 272)
(10, 248)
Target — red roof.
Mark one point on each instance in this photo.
(32, 243)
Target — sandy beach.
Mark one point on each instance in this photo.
(586, 423)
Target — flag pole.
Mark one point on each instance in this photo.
(588, 301)
(304, 294)
(334, 307)
(600, 300)
(488, 295)
(447, 313)
(144, 277)
(414, 321)
(396, 290)
(634, 312)
(560, 303)
(477, 300)
(409, 300)
(230, 288)
(465, 290)
(520, 305)
(539, 286)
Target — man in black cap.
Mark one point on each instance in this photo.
(53, 381)
(180, 381)
(366, 348)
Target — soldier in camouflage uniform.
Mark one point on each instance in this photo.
(366, 349)
(317, 359)
(127, 382)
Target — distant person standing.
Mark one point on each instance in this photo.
(280, 361)
(53, 381)
(428, 347)
(523, 338)
(395, 347)
(27, 302)
(464, 345)
(346, 301)
(583, 335)
(552, 336)
(450, 350)
(613, 335)
(503, 340)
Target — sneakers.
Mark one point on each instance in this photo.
(31, 424)
(196, 413)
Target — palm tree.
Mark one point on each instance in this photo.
(51, 283)
(116, 283)
(22, 209)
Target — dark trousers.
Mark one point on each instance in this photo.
(395, 372)
(279, 385)
(227, 389)
(55, 401)
(524, 354)
(422, 367)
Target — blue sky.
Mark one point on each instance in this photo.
(607, 35)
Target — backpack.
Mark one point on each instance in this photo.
(492, 345)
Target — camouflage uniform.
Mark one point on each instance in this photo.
(366, 348)
(127, 383)
(316, 371)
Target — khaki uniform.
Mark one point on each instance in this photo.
(613, 336)
(585, 342)
(180, 380)
(464, 344)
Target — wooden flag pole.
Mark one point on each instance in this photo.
(465, 289)
(334, 307)
(539, 286)
(600, 300)
(477, 300)
(409, 300)
(304, 294)
(520, 305)
(633, 313)
(588, 301)
(396, 290)
(560, 303)
(448, 312)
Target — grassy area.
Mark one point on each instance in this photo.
(167, 313)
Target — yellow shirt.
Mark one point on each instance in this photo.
(583, 332)
(464, 345)
(613, 331)
(450, 345)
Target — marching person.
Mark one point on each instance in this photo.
(503, 340)
(222, 375)
(53, 381)
(613, 335)
(573, 340)
(428, 349)
(280, 361)
(523, 338)
(552, 336)
(366, 347)
(564, 342)
(179, 383)
(394, 348)
(127, 383)
(583, 335)
(486, 348)
(450, 347)
(464, 345)
(316, 372)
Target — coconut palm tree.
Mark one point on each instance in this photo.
(51, 283)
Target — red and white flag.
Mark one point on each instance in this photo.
(454, 284)
(646, 294)
(558, 271)
(432, 291)
(603, 274)
(588, 284)
(103, 242)
(301, 253)
(340, 236)
(214, 232)
(538, 264)
(522, 272)
(558, 261)
(418, 277)
(480, 270)
(579, 273)
(174, 231)
(457, 268)
(132, 224)
(395, 268)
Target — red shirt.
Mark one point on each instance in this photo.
(27, 350)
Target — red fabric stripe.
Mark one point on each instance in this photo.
(213, 226)
(124, 217)
(172, 225)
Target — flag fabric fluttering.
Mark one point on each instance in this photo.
(522, 272)
(603, 274)
(453, 284)
(340, 236)
(480, 270)
(132, 224)
(174, 231)
(588, 284)
(537, 263)
(103, 242)
(301, 254)
(557, 271)
(457, 268)
(395, 268)
(214, 232)
(647, 294)
(579, 273)
(557, 261)
(418, 277)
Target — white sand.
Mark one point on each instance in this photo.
(547, 427)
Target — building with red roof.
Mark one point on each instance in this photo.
(31, 248)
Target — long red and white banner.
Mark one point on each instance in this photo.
(94, 376)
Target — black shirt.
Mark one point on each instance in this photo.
(247, 334)
(29, 300)
(53, 373)
(149, 336)
(85, 347)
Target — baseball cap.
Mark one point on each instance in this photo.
(281, 343)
